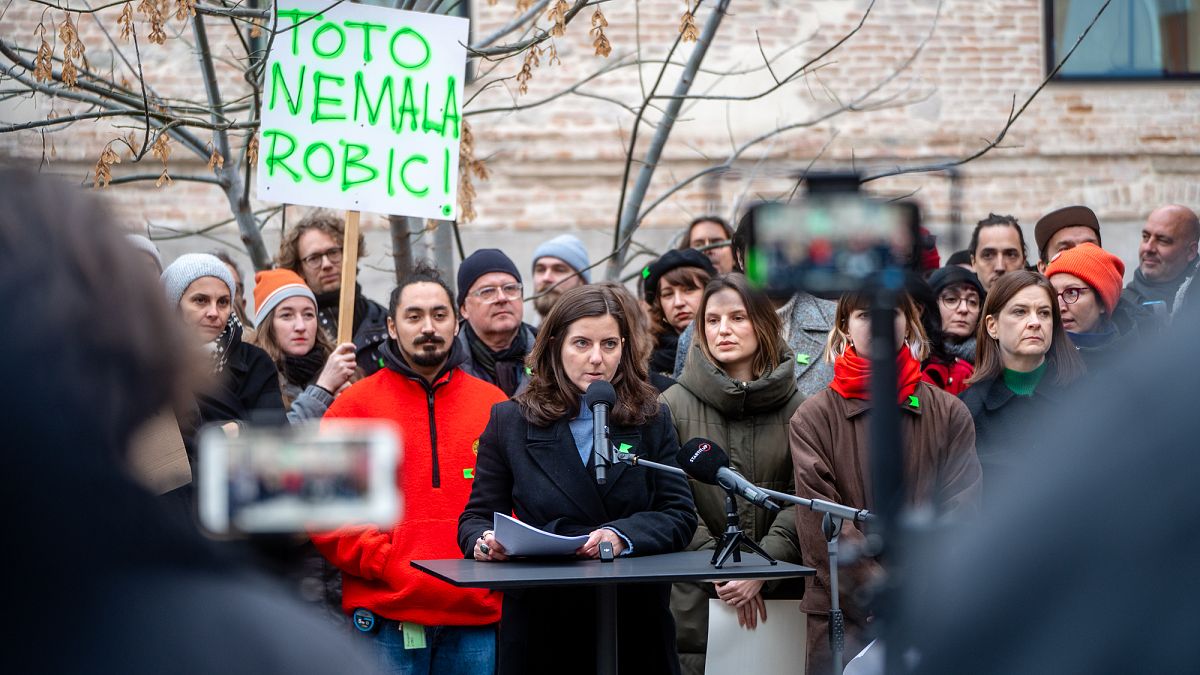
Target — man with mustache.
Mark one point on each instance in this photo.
(417, 623)
(1167, 254)
(492, 331)
(559, 265)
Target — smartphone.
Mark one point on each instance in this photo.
(299, 478)
(829, 242)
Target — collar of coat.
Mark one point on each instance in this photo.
(811, 313)
(998, 394)
(916, 403)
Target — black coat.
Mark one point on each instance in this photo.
(247, 391)
(1004, 431)
(535, 473)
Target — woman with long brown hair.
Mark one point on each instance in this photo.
(832, 459)
(1024, 362)
(311, 372)
(535, 461)
(738, 390)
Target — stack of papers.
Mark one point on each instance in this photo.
(517, 538)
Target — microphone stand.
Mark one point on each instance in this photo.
(734, 539)
(831, 527)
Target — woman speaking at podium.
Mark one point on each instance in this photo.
(535, 461)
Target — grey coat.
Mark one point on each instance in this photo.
(307, 405)
(806, 328)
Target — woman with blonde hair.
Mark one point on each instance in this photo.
(829, 440)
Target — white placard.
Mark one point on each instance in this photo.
(362, 109)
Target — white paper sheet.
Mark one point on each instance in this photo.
(776, 647)
(517, 538)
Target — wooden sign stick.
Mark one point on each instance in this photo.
(345, 332)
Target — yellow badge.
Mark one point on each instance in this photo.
(475, 447)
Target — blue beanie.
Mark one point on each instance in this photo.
(568, 249)
(482, 262)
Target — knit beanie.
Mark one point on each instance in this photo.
(482, 262)
(1098, 268)
(568, 249)
(146, 246)
(272, 287)
(952, 275)
(688, 257)
(190, 267)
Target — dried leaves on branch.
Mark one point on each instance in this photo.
(688, 31)
(468, 165)
(600, 42)
(558, 14)
(102, 175)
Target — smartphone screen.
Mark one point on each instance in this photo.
(298, 479)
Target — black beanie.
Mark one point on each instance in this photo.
(688, 257)
(953, 274)
(482, 262)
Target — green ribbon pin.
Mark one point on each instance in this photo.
(646, 271)
(624, 447)
(528, 370)
(803, 359)
(914, 402)
(468, 473)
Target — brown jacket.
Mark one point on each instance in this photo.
(830, 456)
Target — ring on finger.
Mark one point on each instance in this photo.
(483, 548)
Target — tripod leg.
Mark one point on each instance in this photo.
(755, 548)
(729, 546)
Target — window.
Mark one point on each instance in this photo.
(1134, 40)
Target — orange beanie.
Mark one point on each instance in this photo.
(272, 287)
(1098, 268)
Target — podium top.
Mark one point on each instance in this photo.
(669, 567)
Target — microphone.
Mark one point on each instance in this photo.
(707, 462)
(600, 397)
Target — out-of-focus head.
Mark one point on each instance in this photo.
(673, 285)
(91, 348)
(1169, 240)
(152, 255)
(1087, 280)
(1021, 328)
(961, 259)
(559, 265)
(997, 247)
(707, 231)
(313, 249)
(740, 327)
(852, 327)
(421, 318)
(585, 338)
(489, 294)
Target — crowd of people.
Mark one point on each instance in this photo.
(493, 420)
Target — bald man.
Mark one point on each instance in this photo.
(1167, 254)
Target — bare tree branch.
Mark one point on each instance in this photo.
(1013, 115)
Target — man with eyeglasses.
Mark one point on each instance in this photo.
(493, 331)
(313, 249)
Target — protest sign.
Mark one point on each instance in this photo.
(361, 109)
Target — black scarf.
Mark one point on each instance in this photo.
(964, 350)
(302, 371)
(504, 366)
(662, 359)
(329, 302)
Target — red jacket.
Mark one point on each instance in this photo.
(434, 478)
(950, 377)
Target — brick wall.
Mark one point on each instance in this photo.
(1119, 148)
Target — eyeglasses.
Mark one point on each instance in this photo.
(953, 301)
(491, 294)
(313, 261)
(1071, 295)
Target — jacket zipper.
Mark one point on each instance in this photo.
(433, 445)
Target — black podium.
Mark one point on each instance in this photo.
(668, 568)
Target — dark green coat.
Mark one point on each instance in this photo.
(749, 420)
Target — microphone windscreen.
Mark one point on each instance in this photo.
(701, 459)
(600, 392)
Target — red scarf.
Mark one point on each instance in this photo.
(851, 373)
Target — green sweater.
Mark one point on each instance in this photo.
(1024, 384)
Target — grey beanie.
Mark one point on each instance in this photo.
(190, 267)
(146, 246)
(569, 249)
